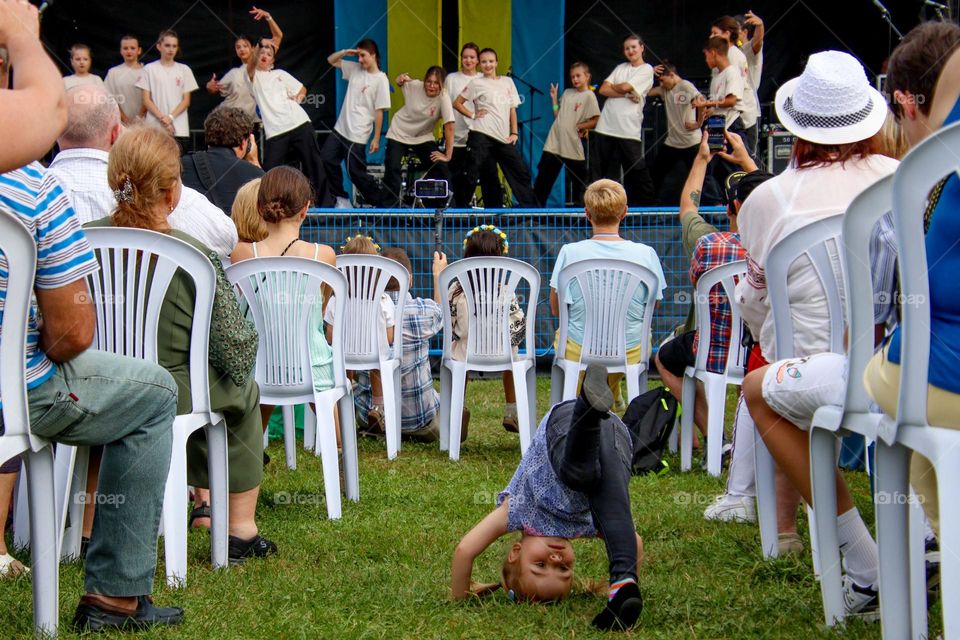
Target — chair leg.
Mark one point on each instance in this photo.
(892, 479)
(766, 497)
(390, 409)
(309, 428)
(348, 440)
(70, 476)
(715, 389)
(688, 395)
(824, 493)
(398, 400)
(44, 555)
(446, 383)
(523, 404)
(556, 384)
(457, 392)
(175, 514)
(634, 375)
(290, 435)
(327, 450)
(532, 396)
(218, 473)
(947, 476)
(21, 511)
(571, 377)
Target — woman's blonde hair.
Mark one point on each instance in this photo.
(250, 226)
(360, 244)
(605, 201)
(143, 166)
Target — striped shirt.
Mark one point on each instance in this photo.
(63, 254)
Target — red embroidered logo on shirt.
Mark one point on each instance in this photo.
(179, 81)
(576, 107)
(433, 111)
(364, 90)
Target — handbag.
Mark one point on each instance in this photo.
(233, 338)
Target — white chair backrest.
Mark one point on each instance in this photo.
(20, 250)
(367, 279)
(607, 288)
(724, 276)
(136, 267)
(489, 285)
(818, 242)
(282, 293)
(924, 166)
(858, 225)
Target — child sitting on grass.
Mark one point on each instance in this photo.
(573, 482)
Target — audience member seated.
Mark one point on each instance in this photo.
(246, 217)
(144, 171)
(229, 161)
(606, 207)
(835, 114)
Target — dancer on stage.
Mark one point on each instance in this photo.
(121, 81)
(167, 85)
(80, 60)
(729, 29)
(678, 151)
(493, 130)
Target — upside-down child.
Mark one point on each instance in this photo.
(573, 482)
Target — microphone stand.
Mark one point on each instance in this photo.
(533, 91)
(885, 14)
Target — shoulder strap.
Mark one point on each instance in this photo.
(255, 254)
(205, 172)
(316, 252)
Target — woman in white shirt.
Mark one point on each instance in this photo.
(425, 103)
(493, 130)
(287, 127)
(368, 96)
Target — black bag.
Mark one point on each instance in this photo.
(650, 419)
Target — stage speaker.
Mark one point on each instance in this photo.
(779, 148)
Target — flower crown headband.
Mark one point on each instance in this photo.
(489, 227)
(348, 239)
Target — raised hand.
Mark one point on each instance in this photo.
(259, 14)
(554, 88)
(212, 85)
(18, 19)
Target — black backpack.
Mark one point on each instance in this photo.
(650, 419)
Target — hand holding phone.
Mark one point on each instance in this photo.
(716, 129)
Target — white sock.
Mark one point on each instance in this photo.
(858, 548)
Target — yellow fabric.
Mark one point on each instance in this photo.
(882, 381)
(489, 25)
(613, 379)
(414, 41)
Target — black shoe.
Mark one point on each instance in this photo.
(622, 612)
(256, 547)
(595, 391)
(92, 615)
(84, 545)
(266, 458)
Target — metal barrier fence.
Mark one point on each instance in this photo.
(535, 236)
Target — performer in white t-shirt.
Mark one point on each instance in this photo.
(80, 60)
(678, 151)
(368, 97)
(490, 188)
(121, 81)
(751, 37)
(616, 143)
(728, 28)
(287, 128)
(411, 130)
(232, 86)
(167, 85)
(491, 102)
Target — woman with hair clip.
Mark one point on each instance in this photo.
(411, 131)
(368, 96)
(288, 129)
(493, 130)
(490, 189)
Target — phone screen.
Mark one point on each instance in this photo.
(716, 126)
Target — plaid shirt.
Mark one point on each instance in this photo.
(422, 319)
(711, 251)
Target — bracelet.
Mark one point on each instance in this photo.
(556, 108)
(513, 133)
(170, 115)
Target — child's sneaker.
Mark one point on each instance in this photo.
(860, 602)
(622, 611)
(728, 508)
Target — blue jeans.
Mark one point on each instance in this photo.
(127, 405)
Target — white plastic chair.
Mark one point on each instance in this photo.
(20, 250)
(282, 294)
(365, 346)
(927, 163)
(136, 267)
(819, 243)
(714, 384)
(489, 285)
(607, 288)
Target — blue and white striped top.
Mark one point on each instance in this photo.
(63, 254)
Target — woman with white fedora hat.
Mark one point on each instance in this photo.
(836, 115)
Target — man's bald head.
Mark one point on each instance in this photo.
(93, 119)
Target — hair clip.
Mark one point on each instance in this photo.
(349, 239)
(489, 227)
(125, 192)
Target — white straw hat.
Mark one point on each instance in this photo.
(831, 102)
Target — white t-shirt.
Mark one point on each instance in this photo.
(781, 205)
(236, 92)
(751, 107)
(498, 96)
(274, 92)
(121, 82)
(455, 84)
(414, 122)
(678, 103)
(575, 107)
(167, 85)
(754, 64)
(71, 81)
(387, 317)
(622, 117)
(725, 83)
(367, 93)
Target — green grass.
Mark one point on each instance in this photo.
(383, 570)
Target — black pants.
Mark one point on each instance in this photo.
(490, 189)
(593, 456)
(549, 169)
(670, 171)
(299, 145)
(482, 147)
(335, 150)
(391, 180)
(615, 155)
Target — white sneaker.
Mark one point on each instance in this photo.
(861, 602)
(343, 203)
(728, 508)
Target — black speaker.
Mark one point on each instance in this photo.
(779, 149)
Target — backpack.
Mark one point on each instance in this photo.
(650, 419)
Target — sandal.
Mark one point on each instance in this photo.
(200, 511)
(10, 567)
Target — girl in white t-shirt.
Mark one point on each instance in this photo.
(121, 81)
(491, 102)
(368, 97)
(411, 131)
(80, 60)
(490, 188)
(166, 86)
